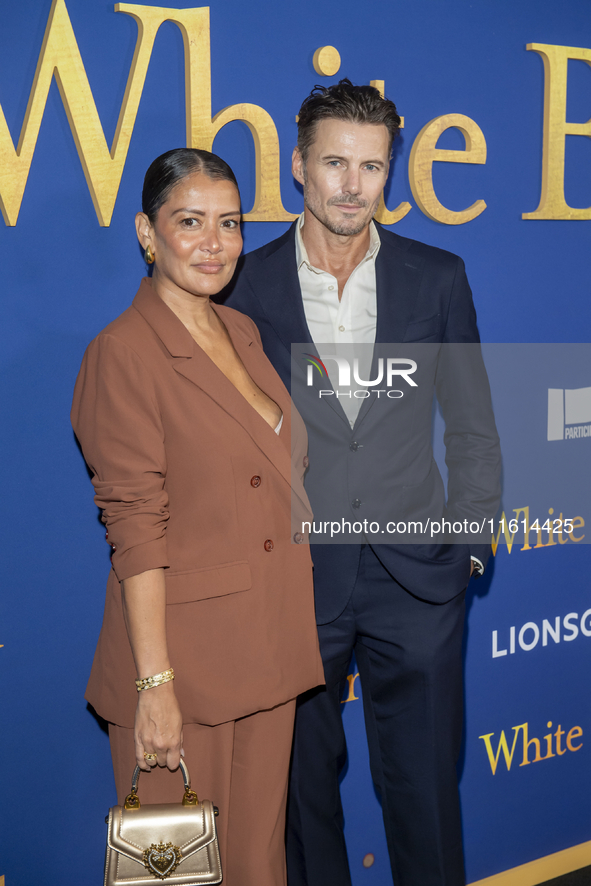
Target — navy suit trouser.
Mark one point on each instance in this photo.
(409, 654)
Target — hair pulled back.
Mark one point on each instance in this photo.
(344, 101)
(170, 168)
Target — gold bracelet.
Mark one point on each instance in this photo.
(156, 680)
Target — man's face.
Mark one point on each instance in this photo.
(344, 174)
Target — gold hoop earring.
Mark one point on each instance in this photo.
(149, 256)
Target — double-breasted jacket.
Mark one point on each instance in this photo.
(190, 478)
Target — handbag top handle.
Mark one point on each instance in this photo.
(132, 801)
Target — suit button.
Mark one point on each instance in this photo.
(255, 481)
(269, 544)
(298, 538)
(354, 446)
(356, 503)
(305, 461)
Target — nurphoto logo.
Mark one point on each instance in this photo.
(388, 371)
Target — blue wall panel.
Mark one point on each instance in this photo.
(64, 278)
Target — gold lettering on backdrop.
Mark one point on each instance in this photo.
(202, 130)
(553, 527)
(556, 128)
(575, 732)
(577, 522)
(424, 153)
(351, 681)
(527, 743)
(326, 61)
(535, 743)
(493, 758)
(102, 167)
(505, 526)
(385, 216)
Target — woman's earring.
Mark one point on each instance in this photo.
(149, 256)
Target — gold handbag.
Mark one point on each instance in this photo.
(165, 841)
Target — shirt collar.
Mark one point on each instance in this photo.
(302, 254)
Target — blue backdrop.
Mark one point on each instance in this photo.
(65, 277)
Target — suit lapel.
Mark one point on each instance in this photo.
(277, 277)
(398, 277)
(193, 363)
(277, 447)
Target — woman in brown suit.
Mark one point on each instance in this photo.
(187, 430)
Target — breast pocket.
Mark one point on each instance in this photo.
(211, 581)
(424, 330)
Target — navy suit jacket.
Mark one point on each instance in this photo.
(422, 296)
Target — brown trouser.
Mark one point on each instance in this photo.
(242, 767)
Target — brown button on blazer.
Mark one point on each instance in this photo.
(173, 448)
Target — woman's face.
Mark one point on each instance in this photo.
(196, 238)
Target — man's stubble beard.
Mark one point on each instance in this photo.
(342, 229)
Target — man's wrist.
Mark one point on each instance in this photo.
(478, 567)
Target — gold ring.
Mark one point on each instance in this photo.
(150, 757)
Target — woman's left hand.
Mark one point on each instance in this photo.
(158, 721)
(158, 727)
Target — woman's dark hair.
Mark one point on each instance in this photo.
(170, 168)
(344, 101)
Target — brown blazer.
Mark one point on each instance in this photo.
(190, 478)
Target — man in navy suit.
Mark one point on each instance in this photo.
(336, 277)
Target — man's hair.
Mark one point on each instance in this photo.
(344, 101)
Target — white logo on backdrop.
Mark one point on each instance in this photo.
(569, 413)
(568, 628)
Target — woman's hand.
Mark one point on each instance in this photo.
(158, 721)
(158, 727)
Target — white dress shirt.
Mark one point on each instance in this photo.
(352, 320)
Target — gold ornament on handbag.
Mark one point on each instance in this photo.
(171, 842)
